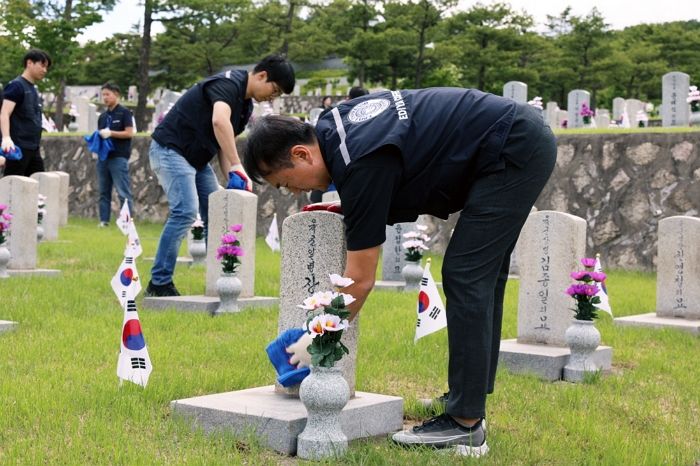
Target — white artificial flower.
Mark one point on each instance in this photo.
(331, 323)
(421, 227)
(316, 325)
(411, 234)
(340, 282)
(347, 298)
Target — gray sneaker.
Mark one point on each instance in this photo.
(436, 406)
(444, 432)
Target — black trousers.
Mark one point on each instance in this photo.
(475, 268)
(30, 163)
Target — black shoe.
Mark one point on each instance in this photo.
(444, 432)
(159, 291)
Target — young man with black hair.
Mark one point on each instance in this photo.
(117, 124)
(396, 155)
(21, 116)
(204, 122)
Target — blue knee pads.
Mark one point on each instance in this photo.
(288, 374)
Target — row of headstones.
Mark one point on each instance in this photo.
(21, 195)
(675, 111)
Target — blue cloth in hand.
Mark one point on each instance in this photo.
(16, 154)
(288, 374)
(235, 182)
(101, 147)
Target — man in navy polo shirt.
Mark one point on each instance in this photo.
(117, 124)
(20, 116)
(396, 155)
(203, 123)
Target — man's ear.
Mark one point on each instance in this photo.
(301, 153)
(262, 75)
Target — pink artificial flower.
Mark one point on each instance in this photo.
(581, 276)
(588, 262)
(582, 290)
(598, 276)
(236, 228)
(3, 206)
(229, 238)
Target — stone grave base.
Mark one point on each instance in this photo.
(7, 325)
(653, 321)
(546, 362)
(201, 303)
(277, 419)
(34, 272)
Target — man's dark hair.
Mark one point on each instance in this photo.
(36, 55)
(111, 87)
(279, 71)
(269, 142)
(357, 91)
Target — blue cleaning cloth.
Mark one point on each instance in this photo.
(235, 182)
(13, 155)
(288, 374)
(101, 147)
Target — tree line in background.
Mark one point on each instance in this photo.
(391, 43)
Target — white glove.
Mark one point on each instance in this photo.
(238, 168)
(105, 133)
(300, 351)
(7, 144)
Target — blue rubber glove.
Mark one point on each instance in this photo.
(288, 374)
(235, 181)
(15, 154)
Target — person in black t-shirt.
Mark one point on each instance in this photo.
(395, 155)
(203, 123)
(117, 124)
(20, 116)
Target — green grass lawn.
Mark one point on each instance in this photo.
(60, 401)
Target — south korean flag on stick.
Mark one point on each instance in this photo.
(126, 282)
(134, 363)
(124, 219)
(133, 243)
(431, 311)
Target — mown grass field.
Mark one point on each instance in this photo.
(60, 401)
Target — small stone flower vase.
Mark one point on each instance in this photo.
(412, 272)
(582, 338)
(198, 250)
(39, 232)
(324, 393)
(229, 287)
(4, 260)
(694, 119)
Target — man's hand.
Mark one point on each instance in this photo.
(333, 206)
(2, 161)
(7, 145)
(238, 170)
(300, 351)
(105, 133)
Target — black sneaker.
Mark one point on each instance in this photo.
(159, 291)
(444, 432)
(437, 406)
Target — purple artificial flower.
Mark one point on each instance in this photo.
(228, 238)
(7, 217)
(236, 228)
(598, 276)
(582, 290)
(3, 206)
(588, 262)
(581, 276)
(236, 251)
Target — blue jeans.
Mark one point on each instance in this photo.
(113, 172)
(188, 191)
